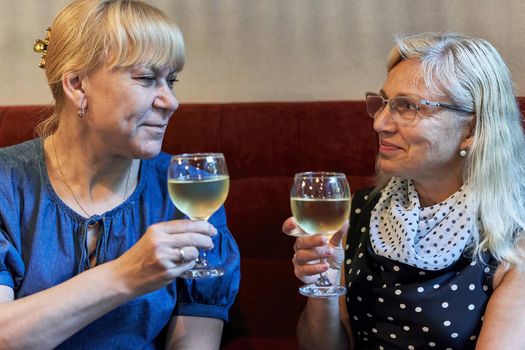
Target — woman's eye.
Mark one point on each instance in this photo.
(172, 81)
(406, 106)
(409, 106)
(147, 80)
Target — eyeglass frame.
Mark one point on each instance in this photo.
(386, 101)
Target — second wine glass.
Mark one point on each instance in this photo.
(198, 185)
(320, 203)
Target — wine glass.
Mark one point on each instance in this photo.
(198, 184)
(320, 203)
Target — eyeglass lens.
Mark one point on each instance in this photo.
(374, 104)
(400, 106)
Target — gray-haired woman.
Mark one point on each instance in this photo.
(434, 254)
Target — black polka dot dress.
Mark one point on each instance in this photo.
(392, 305)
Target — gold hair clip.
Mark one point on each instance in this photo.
(40, 47)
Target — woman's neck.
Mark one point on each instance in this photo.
(87, 179)
(86, 161)
(436, 191)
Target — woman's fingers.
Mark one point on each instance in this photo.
(308, 272)
(184, 254)
(181, 233)
(311, 269)
(306, 256)
(176, 269)
(313, 255)
(309, 242)
(189, 240)
(166, 250)
(291, 228)
(183, 226)
(310, 258)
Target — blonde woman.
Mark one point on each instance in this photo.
(90, 244)
(433, 257)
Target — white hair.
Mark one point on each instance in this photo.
(471, 73)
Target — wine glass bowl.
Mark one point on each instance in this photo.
(198, 185)
(320, 203)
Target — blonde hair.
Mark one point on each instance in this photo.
(472, 74)
(88, 34)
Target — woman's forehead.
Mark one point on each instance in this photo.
(406, 79)
(145, 61)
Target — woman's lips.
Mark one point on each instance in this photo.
(158, 126)
(386, 147)
(155, 129)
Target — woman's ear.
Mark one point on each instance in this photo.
(73, 84)
(467, 142)
(468, 137)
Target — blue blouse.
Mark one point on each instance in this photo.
(43, 243)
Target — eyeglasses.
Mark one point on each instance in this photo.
(402, 108)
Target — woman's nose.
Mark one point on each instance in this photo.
(166, 99)
(384, 120)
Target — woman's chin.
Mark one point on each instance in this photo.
(386, 169)
(391, 171)
(149, 150)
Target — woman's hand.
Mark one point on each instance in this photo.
(156, 259)
(315, 254)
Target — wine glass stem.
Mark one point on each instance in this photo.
(323, 281)
(201, 261)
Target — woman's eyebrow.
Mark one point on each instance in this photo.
(402, 94)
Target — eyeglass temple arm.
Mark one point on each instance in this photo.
(444, 105)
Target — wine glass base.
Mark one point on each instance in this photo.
(204, 272)
(313, 291)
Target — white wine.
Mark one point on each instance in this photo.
(324, 216)
(199, 199)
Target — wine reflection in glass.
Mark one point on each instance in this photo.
(198, 184)
(320, 203)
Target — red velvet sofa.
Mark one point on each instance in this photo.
(264, 144)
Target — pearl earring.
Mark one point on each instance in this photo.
(463, 153)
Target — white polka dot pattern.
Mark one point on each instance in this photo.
(395, 305)
(430, 238)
